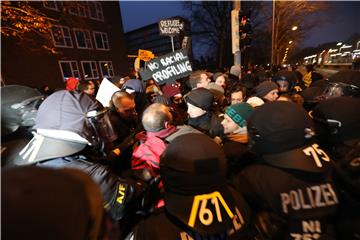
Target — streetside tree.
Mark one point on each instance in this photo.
(306, 15)
(211, 28)
(26, 24)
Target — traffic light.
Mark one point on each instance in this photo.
(244, 29)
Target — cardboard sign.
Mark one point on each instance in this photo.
(171, 27)
(106, 90)
(145, 55)
(168, 68)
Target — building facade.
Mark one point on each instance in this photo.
(89, 41)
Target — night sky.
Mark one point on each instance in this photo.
(344, 22)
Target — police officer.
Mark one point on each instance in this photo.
(70, 132)
(198, 202)
(44, 203)
(291, 187)
(338, 130)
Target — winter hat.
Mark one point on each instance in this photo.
(38, 199)
(265, 87)
(239, 113)
(235, 70)
(215, 89)
(200, 97)
(163, 100)
(170, 90)
(71, 84)
(255, 101)
(133, 84)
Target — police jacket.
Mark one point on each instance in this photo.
(118, 193)
(302, 204)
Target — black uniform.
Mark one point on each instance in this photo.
(61, 142)
(198, 202)
(292, 187)
(338, 131)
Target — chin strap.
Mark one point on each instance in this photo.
(30, 151)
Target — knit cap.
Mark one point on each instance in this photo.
(255, 101)
(71, 84)
(265, 87)
(170, 90)
(235, 70)
(134, 84)
(239, 113)
(200, 97)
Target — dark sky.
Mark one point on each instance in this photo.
(344, 22)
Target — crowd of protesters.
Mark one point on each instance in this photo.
(242, 154)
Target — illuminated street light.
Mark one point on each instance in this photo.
(290, 42)
(294, 28)
(339, 44)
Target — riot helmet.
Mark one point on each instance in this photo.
(285, 79)
(343, 83)
(65, 124)
(19, 105)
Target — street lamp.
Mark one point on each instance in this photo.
(339, 44)
(277, 42)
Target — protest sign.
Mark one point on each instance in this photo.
(145, 55)
(167, 68)
(171, 27)
(106, 90)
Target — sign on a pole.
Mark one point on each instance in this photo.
(171, 26)
(167, 68)
(145, 55)
(235, 39)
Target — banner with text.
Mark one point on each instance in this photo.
(171, 27)
(168, 68)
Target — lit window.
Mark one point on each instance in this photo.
(69, 69)
(51, 5)
(95, 11)
(101, 41)
(83, 38)
(89, 69)
(61, 36)
(106, 68)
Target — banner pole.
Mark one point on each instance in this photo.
(172, 43)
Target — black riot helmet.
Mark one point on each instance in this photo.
(343, 83)
(281, 131)
(19, 106)
(285, 79)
